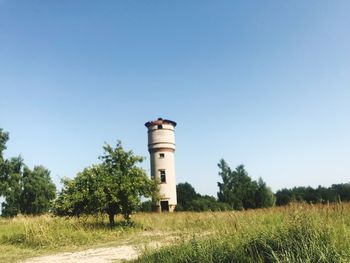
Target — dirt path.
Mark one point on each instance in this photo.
(96, 255)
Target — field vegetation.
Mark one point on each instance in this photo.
(294, 233)
(102, 206)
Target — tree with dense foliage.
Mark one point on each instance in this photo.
(264, 197)
(208, 203)
(145, 206)
(12, 186)
(37, 190)
(237, 188)
(189, 200)
(84, 194)
(185, 196)
(24, 191)
(114, 187)
(10, 174)
(3, 166)
(239, 191)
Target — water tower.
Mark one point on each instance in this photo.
(161, 146)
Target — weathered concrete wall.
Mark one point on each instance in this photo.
(161, 145)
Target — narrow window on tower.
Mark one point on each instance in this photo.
(161, 155)
(160, 126)
(162, 176)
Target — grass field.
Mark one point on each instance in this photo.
(295, 233)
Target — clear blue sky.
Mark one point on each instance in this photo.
(263, 83)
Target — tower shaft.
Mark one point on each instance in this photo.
(161, 146)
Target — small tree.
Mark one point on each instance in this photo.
(240, 191)
(264, 195)
(115, 186)
(12, 186)
(237, 188)
(185, 196)
(37, 190)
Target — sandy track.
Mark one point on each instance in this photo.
(96, 255)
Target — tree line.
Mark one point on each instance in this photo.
(237, 191)
(113, 186)
(24, 190)
(117, 186)
(334, 193)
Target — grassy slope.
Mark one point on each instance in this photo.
(277, 234)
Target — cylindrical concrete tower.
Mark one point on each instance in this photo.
(161, 146)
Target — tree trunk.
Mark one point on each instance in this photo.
(111, 219)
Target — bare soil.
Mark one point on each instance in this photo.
(95, 255)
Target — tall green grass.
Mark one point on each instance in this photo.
(301, 233)
(24, 236)
(295, 233)
(49, 231)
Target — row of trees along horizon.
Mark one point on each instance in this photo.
(117, 186)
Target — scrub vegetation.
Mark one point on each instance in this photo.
(294, 233)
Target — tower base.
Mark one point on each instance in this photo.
(163, 207)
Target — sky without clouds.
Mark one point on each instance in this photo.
(263, 83)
